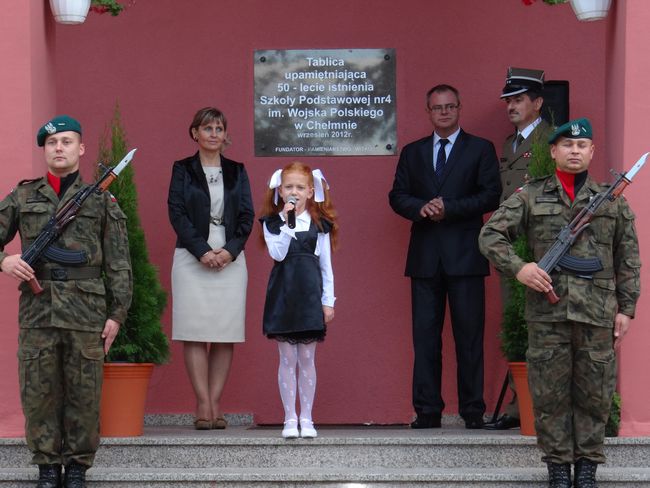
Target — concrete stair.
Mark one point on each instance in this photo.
(350, 457)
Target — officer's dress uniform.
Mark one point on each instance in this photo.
(60, 346)
(571, 361)
(513, 165)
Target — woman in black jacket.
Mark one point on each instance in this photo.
(211, 210)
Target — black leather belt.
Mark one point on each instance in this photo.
(69, 273)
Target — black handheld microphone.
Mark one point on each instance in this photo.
(291, 214)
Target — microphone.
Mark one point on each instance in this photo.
(291, 214)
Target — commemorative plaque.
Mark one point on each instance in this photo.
(338, 102)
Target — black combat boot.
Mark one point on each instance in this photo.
(75, 476)
(585, 474)
(49, 476)
(559, 475)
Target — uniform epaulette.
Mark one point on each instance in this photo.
(539, 178)
(24, 182)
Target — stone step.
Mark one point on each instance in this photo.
(344, 457)
(241, 447)
(342, 478)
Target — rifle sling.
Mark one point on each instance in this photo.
(69, 273)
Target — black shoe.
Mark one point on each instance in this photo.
(474, 421)
(75, 476)
(426, 421)
(49, 476)
(559, 475)
(585, 474)
(504, 422)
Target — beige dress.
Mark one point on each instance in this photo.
(209, 305)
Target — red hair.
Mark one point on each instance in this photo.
(317, 210)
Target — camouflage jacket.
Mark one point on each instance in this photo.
(539, 211)
(99, 229)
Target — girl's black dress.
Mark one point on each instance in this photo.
(293, 311)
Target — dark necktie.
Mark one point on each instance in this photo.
(442, 158)
(519, 141)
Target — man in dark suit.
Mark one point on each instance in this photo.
(444, 184)
(522, 95)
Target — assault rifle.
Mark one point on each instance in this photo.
(557, 256)
(42, 245)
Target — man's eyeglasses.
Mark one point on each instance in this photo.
(450, 107)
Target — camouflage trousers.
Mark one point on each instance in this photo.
(572, 377)
(61, 374)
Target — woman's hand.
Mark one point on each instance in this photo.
(209, 260)
(216, 259)
(223, 258)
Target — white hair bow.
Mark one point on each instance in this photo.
(319, 193)
(319, 182)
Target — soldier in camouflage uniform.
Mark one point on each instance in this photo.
(571, 360)
(66, 330)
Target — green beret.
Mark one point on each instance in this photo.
(574, 129)
(60, 123)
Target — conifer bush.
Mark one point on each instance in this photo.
(514, 331)
(141, 338)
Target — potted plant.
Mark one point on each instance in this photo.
(141, 343)
(75, 11)
(585, 10)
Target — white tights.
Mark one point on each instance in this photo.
(303, 355)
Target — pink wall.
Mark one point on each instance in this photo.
(162, 64)
(161, 69)
(628, 79)
(27, 98)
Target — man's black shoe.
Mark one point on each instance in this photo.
(75, 476)
(585, 474)
(559, 475)
(474, 422)
(426, 421)
(49, 476)
(504, 422)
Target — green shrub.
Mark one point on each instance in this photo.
(141, 339)
(514, 331)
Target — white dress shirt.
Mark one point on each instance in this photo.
(526, 132)
(436, 145)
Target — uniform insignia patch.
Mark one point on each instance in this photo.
(575, 129)
(546, 199)
(37, 199)
(49, 128)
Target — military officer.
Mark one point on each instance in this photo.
(66, 330)
(571, 360)
(522, 95)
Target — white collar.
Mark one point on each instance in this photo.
(530, 128)
(451, 138)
